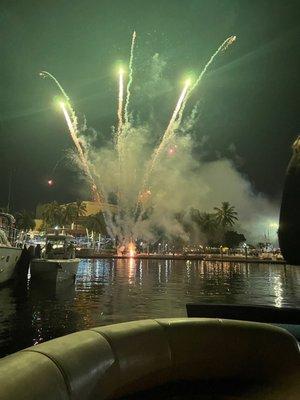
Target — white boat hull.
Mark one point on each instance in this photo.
(54, 270)
(9, 256)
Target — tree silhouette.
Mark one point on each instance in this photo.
(24, 220)
(96, 223)
(225, 215)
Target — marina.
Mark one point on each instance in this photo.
(149, 202)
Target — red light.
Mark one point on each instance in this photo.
(172, 150)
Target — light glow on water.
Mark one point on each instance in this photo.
(109, 291)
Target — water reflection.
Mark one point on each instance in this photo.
(108, 291)
(278, 291)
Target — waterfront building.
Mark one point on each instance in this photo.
(78, 226)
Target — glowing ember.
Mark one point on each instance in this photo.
(172, 150)
(131, 249)
(145, 196)
(127, 249)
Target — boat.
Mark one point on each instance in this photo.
(284, 317)
(58, 261)
(171, 358)
(10, 247)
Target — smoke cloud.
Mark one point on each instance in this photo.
(140, 208)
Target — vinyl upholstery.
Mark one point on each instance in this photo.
(113, 361)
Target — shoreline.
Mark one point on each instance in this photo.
(184, 257)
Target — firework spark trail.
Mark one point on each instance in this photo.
(85, 166)
(178, 112)
(121, 100)
(120, 136)
(130, 77)
(229, 41)
(169, 131)
(72, 123)
(187, 92)
(74, 137)
(83, 160)
(126, 130)
(155, 155)
(46, 74)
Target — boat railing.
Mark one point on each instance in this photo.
(92, 243)
(15, 237)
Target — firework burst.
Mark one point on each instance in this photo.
(132, 190)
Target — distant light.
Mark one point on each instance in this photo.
(172, 150)
(56, 227)
(50, 182)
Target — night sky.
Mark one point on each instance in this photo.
(249, 101)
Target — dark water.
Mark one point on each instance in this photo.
(108, 291)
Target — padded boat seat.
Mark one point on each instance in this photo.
(158, 359)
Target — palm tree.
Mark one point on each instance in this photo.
(225, 215)
(96, 223)
(80, 210)
(52, 214)
(207, 223)
(68, 213)
(24, 220)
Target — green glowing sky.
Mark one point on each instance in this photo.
(249, 102)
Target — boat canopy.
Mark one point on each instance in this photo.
(59, 246)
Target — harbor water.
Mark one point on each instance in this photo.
(108, 291)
